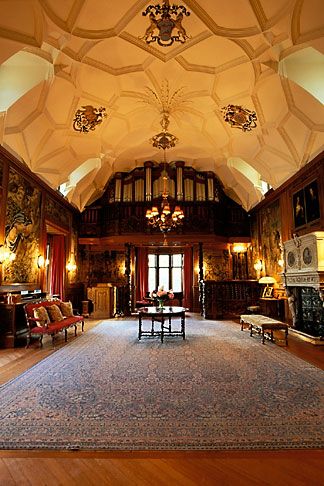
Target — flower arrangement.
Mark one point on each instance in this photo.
(162, 295)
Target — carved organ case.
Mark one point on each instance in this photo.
(122, 208)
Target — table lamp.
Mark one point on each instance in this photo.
(267, 280)
(267, 292)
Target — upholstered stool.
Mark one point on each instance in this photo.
(263, 325)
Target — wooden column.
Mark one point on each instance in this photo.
(201, 278)
(128, 274)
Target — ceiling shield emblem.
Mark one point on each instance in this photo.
(87, 118)
(239, 117)
(165, 24)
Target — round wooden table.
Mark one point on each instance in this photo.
(164, 318)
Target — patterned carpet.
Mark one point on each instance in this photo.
(218, 389)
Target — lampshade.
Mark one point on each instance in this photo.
(267, 280)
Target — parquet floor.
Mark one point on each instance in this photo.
(275, 468)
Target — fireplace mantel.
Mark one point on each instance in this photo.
(303, 278)
(304, 261)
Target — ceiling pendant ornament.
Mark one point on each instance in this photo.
(164, 219)
(164, 139)
(88, 118)
(239, 117)
(164, 20)
(165, 100)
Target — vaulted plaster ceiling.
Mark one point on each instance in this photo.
(59, 55)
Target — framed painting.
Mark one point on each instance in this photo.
(312, 202)
(299, 210)
(267, 293)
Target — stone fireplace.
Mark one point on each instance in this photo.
(303, 278)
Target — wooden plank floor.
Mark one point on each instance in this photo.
(301, 467)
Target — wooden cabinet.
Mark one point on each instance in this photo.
(228, 298)
(103, 297)
(13, 324)
(274, 308)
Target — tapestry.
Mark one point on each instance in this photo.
(22, 229)
(102, 267)
(218, 389)
(271, 239)
(216, 265)
(254, 255)
(56, 213)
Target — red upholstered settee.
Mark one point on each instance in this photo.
(36, 329)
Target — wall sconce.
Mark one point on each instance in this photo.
(239, 248)
(40, 261)
(281, 262)
(6, 255)
(258, 266)
(71, 265)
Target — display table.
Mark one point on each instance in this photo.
(164, 319)
(263, 325)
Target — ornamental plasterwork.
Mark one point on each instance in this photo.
(93, 56)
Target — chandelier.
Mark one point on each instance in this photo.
(164, 20)
(88, 118)
(239, 117)
(164, 219)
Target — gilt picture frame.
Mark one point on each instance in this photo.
(267, 293)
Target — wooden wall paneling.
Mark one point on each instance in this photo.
(312, 171)
(4, 194)
(10, 163)
(286, 216)
(43, 241)
(196, 272)
(25, 171)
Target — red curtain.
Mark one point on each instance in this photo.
(187, 278)
(141, 273)
(58, 265)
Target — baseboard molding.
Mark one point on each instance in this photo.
(317, 341)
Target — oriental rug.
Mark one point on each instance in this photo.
(219, 389)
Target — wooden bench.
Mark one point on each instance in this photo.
(263, 325)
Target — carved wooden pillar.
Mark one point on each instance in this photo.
(128, 274)
(201, 278)
(3, 115)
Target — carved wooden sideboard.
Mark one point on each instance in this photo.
(13, 325)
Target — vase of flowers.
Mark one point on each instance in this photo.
(161, 296)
